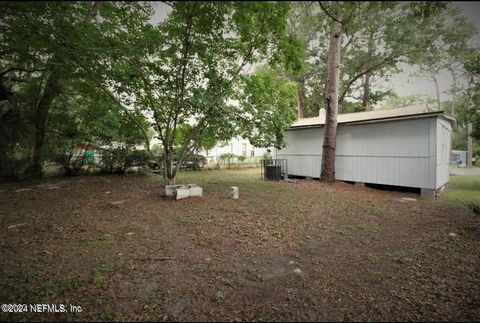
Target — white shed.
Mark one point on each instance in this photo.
(407, 147)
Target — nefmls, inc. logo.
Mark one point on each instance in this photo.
(49, 308)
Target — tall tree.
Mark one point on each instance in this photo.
(41, 46)
(267, 108)
(449, 50)
(331, 97)
(472, 66)
(399, 33)
(32, 60)
(186, 69)
(379, 39)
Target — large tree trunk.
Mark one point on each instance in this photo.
(301, 98)
(168, 171)
(330, 135)
(52, 90)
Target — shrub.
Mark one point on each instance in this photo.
(474, 206)
(227, 159)
(137, 158)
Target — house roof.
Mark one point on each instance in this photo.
(409, 112)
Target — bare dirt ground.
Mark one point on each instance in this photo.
(283, 252)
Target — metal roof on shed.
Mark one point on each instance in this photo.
(373, 116)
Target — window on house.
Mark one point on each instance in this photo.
(244, 150)
(252, 152)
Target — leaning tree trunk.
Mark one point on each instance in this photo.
(52, 90)
(439, 103)
(366, 92)
(368, 75)
(330, 135)
(454, 91)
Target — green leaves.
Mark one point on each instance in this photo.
(472, 65)
(267, 108)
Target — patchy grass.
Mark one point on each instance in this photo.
(283, 251)
(400, 257)
(465, 190)
(374, 259)
(218, 297)
(342, 232)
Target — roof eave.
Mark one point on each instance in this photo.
(384, 119)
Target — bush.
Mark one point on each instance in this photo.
(194, 162)
(137, 158)
(227, 159)
(113, 161)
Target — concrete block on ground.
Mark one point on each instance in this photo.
(428, 193)
(195, 190)
(234, 192)
(360, 184)
(182, 192)
(170, 190)
(189, 190)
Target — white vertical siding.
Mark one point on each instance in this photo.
(444, 133)
(401, 152)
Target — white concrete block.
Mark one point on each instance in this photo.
(195, 190)
(170, 190)
(182, 192)
(234, 192)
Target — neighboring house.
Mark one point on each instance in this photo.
(407, 147)
(92, 154)
(459, 158)
(236, 146)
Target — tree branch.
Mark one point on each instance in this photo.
(359, 75)
(114, 99)
(20, 69)
(328, 13)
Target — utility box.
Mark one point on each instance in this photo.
(273, 172)
(234, 193)
(274, 169)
